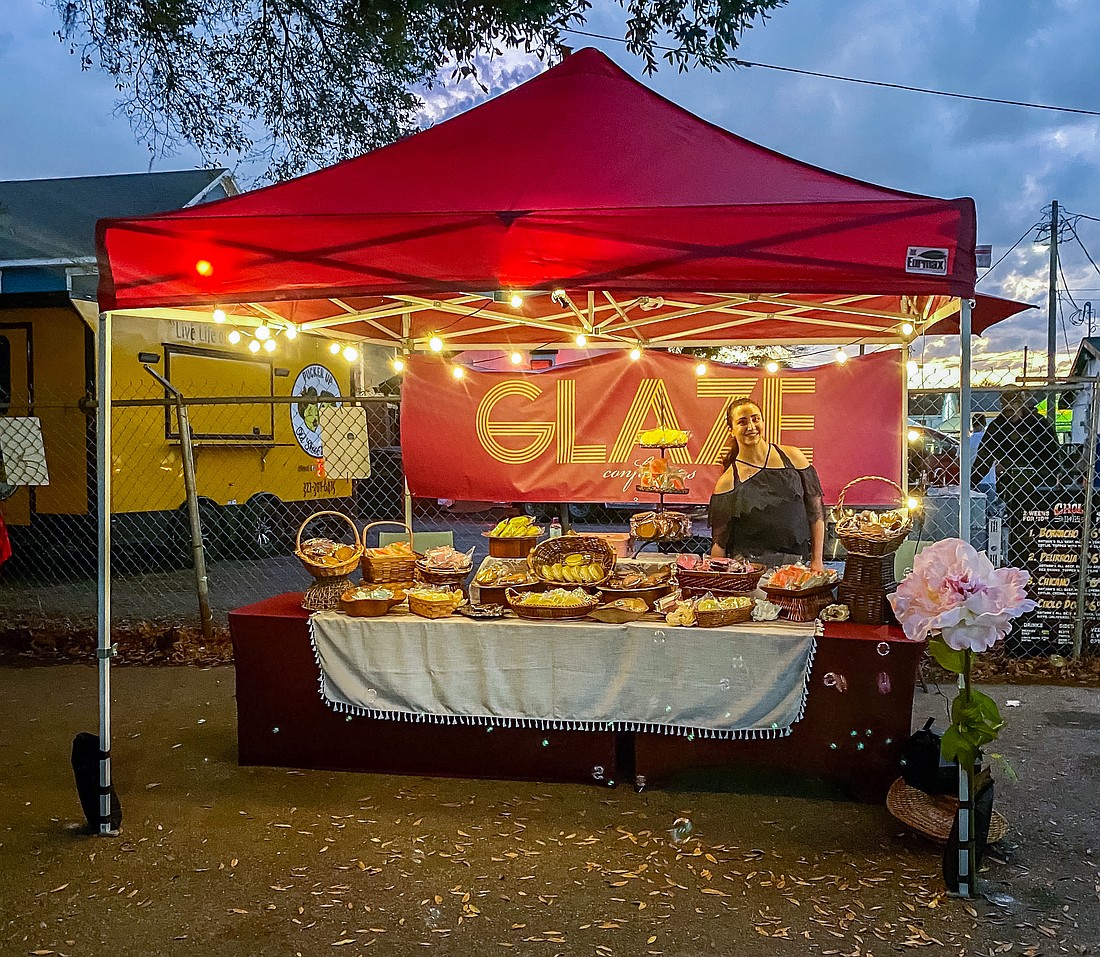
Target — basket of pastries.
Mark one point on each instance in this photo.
(434, 601)
(558, 604)
(645, 580)
(324, 558)
(572, 560)
(719, 611)
(697, 575)
(660, 526)
(369, 601)
(497, 574)
(800, 592)
(872, 533)
(620, 611)
(513, 537)
(445, 566)
(389, 563)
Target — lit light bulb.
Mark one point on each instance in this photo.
(234, 337)
(219, 315)
(516, 300)
(635, 354)
(911, 367)
(907, 328)
(701, 369)
(254, 345)
(558, 294)
(913, 502)
(204, 267)
(398, 364)
(262, 332)
(772, 366)
(516, 358)
(291, 332)
(334, 348)
(269, 345)
(581, 340)
(351, 353)
(841, 357)
(458, 372)
(914, 435)
(435, 344)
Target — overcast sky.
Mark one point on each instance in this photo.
(57, 121)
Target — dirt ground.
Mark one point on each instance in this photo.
(217, 858)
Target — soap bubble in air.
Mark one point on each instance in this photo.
(883, 648)
(884, 685)
(659, 637)
(681, 829)
(833, 680)
(724, 684)
(597, 772)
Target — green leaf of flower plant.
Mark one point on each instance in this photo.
(946, 657)
(954, 747)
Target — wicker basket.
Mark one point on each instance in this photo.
(700, 582)
(341, 570)
(723, 617)
(367, 607)
(554, 550)
(445, 577)
(510, 546)
(494, 594)
(888, 542)
(803, 605)
(867, 606)
(870, 571)
(379, 568)
(426, 608)
(548, 612)
(933, 814)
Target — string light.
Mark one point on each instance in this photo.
(269, 345)
(204, 267)
(516, 358)
(291, 331)
(351, 353)
(219, 315)
(334, 348)
(516, 300)
(907, 328)
(841, 357)
(771, 366)
(911, 367)
(701, 369)
(435, 344)
(914, 435)
(635, 354)
(262, 332)
(254, 345)
(398, 364)
(234, 337)
(458, 372)
(913, 502)
(581, 340)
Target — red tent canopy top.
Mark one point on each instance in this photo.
(580, 179)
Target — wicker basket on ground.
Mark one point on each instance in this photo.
(873, 540)
(933, 814)
(554, 551)
(329, 566)
(384, 568)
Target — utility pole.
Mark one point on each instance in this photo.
(1052, 309)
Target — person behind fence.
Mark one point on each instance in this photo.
(988, 482)
(767, 504)
(1021, 445)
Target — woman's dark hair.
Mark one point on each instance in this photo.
(734, 404)
(977, 422)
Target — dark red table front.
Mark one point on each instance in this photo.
(858, 713)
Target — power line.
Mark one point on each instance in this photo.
(852, 79)
(1027, 233)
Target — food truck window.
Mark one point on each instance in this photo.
(208, 374)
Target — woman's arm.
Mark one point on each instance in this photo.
(817, 545)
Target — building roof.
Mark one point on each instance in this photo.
(1088, 350)
(48, 219)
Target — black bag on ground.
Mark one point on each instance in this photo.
(922, 765)
(85, 762)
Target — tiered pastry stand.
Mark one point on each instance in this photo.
(660, 493)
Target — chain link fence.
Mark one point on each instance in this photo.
(259, 473)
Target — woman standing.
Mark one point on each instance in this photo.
(767, 505)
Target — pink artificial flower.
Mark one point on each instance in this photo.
(955, 591)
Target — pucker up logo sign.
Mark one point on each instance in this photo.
(305, 417)
(926, 260)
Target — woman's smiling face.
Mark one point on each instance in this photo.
(746, 423)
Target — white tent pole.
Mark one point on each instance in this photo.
(103, 513)
(965, 307)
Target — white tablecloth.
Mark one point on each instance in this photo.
(746, 681)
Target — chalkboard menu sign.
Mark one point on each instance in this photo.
(1047, 541)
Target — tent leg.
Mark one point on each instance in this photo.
(103, 514)
(965, 308)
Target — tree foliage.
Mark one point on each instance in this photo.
(304, 83)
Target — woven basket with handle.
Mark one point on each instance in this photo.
(382, 568)
(871, 543)
(339, 569)
(554, 550)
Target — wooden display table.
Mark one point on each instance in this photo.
(862, 681)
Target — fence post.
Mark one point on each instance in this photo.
(106, 648)
(1086, 521)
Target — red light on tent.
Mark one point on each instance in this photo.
(204, 267)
